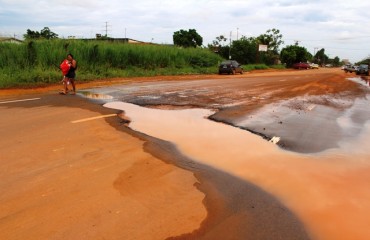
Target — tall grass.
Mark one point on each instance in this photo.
(36, 62)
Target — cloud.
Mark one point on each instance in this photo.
(316, 22)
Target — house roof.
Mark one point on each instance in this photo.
(10, 39)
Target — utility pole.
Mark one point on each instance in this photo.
(106, 28)
(230, 46)
(237, 34)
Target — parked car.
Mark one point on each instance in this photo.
(301, 65)
(230, 67)
(363, 69)
(351, 68)
(314, 66)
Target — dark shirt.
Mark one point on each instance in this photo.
(72, 72)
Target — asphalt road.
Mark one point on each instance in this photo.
(48, 142)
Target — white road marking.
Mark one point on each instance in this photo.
(20, 100)
(94, 118)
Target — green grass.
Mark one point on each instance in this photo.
(251, 67)
(35, 63)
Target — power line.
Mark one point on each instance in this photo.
(332, 39)
(106, 28)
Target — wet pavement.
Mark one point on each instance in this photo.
(325, 185)
(304, 124)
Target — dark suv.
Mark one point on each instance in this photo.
(230, 67)
(363, 69)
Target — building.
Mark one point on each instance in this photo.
(10, 40)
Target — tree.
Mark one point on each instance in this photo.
(272, 38)
(220, 41)
(244, 50)
(189, 38)
(336, 62)
(45, 33)
(293, 54)
(320, 57)
(218, 45)
(48, 34)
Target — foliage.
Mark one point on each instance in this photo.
(45, 33)
(245, 50)
(186, 39)
(320, 57)
(37, 62)
(364, 61)
(220, 41)
(293, 54)
(336, 62)
(250, 67)
(273, 39)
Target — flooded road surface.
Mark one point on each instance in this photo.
(328, 191)
(322, 118)
(308, 124)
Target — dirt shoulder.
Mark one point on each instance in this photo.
(114, 81)
(68, 175)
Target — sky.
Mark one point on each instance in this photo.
(340, 27)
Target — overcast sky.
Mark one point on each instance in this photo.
(341, 27)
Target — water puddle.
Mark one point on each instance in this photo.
(329, 191)
(363, 80)
(96, 96)
(307, 124)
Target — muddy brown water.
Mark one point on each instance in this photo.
(323, 179)
(321, 189)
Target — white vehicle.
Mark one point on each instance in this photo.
(314, 66)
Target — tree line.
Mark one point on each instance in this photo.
(245, 50)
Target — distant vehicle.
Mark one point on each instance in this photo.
(230, 67)
(351, 68)
(344, 67)
(363, 69)
(301, 65)
(314, 66)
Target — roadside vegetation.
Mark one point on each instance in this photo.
(36, 62)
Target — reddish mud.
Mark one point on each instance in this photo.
(52, 169)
